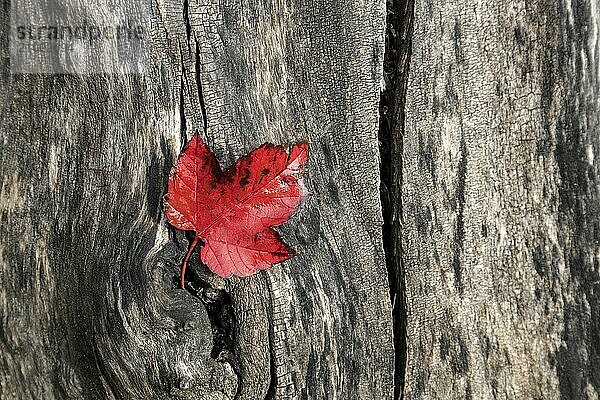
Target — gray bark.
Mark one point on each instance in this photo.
(500, 201)
(489, 135)
(88, 301)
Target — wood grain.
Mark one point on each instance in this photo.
(500, 201)
(88, 301)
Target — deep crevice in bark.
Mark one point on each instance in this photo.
(217, 302)
(186, 20)
(459, 233)
(272, 390)
(199, 87)
(183, 122)
(219, 308)
(399, 27)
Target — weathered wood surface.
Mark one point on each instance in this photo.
(500, 201)
(490, 200)
(88, 304)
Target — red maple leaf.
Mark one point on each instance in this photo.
(234, 211)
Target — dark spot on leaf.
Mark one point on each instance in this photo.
(216, 170)
(244, 177)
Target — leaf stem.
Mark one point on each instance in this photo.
(187, 257)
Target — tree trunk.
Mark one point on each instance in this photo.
(89, 301)
(484, 151)
(500, 201)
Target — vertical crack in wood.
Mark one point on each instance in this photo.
(199, 87)
(459, 202)
(217, 302)
(272, 356)
(399, 28)
(183, 122)
(186, 19)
